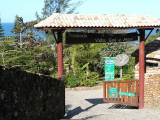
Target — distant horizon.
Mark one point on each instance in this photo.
(8, 26)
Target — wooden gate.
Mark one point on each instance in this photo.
(121, 92)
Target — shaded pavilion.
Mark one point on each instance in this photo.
(61, 22)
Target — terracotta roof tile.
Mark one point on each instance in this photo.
(98, 21)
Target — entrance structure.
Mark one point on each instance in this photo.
(61, 22)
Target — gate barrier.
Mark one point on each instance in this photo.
(121, 92)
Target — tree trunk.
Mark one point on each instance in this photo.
(87, 70)
(73, 62)
(20, 40)
(73, 68)
(67, 69)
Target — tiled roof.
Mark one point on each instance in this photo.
(69, 21)
(152, 50)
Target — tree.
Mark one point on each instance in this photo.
(153, 37)
(57, 6)
(34, 59)
(1, 30)
(113, 49)
(6, 47)
(19, 28)
(85, 56)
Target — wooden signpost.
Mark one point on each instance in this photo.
(79, 37)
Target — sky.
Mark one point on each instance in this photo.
(27, 8)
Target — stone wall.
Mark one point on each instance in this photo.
(149, 70)
(151, 86)
(28, 96)
(152, 90)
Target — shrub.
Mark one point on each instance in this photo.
(80, 78)
(73, 80)
(90, 79)
(128, 76)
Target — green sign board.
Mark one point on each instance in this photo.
(127, 94)
(113, 92)
(109, 69)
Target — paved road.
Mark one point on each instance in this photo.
(89, 105)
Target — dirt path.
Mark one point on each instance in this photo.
(88, 104)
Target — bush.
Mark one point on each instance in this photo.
(128, 76)
(127, 69)
(80, 78)
(73, 80)
(90, 80)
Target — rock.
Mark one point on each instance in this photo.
(15, 113)
(14, 94)
(2, 96)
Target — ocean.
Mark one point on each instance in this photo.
(7, 29)
(9, 26)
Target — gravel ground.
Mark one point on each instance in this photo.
(89, 105)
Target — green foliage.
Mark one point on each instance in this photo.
(131, 65)
(1, 30)
(33, 55)
(89, 57)
(91, 79)
(129, 76)
(51, 39)
(30, 25)
(42, 59)
(35, 59)
(18, 25)
(151, 38)
(83, 63)
(57, 6)
(84, 66)
(128, 70)
(125, 70)
(31, 39)
(82, 54)
(117, 71)
(19, 29)
(73, 80)
(81, 78)
(113, 49)
(85, 57)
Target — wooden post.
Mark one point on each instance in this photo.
(60, 62)
(141, 68)
(60, 55)
(104, 91)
